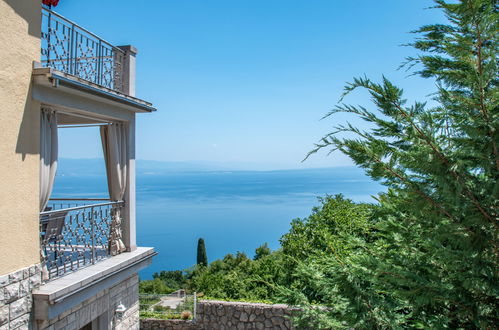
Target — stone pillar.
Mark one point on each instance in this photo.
(129, 69)
(129, 226)
(129, 231)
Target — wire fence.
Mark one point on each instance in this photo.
(176, 305)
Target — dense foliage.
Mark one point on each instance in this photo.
(426, 256)
(164, 282)
(237, 277)
(331, 227)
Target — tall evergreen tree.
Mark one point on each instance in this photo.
(434, 260)
(202, 258)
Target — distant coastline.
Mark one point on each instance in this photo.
(95, 166)
(234, 210)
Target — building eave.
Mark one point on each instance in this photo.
(57, 79)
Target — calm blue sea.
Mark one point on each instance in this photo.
(232, 210)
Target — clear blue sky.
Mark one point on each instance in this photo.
(247, 81)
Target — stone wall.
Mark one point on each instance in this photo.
(101, 309)
(154, 324)
(237, 315)
(228, 315)
(15, 297)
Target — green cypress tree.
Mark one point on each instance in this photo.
(202, 258)
(433, 261)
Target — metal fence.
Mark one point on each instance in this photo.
(69, 48)
(75, 233)
(168, 306)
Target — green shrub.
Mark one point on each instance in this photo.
(155, 286)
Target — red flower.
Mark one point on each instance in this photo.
(50, 3)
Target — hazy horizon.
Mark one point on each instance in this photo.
(189, 165)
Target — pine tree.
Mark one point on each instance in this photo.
(202, 258)
(433, 262)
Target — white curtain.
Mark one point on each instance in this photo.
(115, 146)
(48, 164)
(48, 154)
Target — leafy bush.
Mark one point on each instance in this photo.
(329, 229)
(155, 286)
(174, 279)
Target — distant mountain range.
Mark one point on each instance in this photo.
(95, 167)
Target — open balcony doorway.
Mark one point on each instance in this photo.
(77, 226)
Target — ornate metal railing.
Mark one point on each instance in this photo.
(75, 233)
(72, 49)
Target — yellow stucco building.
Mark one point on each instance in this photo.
(66, 263)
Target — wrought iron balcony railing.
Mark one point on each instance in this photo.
(72, 49)
(75, 233)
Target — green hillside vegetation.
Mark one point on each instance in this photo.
(426, 255)
(336, 226)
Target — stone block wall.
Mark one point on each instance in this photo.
(102, 307)
(228, 315)
(238, 315)
(15, 297)
(155, 324)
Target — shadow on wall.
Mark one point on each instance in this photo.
(31, 12)
(28, 138)
(29, 129)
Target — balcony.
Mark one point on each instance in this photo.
(79, 256)
(75, 233)
(87, 246)
(71, 49)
